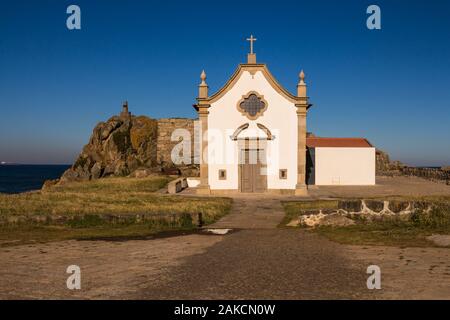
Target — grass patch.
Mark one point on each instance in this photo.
(110, 196)
(389, 231)
(29, 234)
(381, 234)
(430, 199)
(88, 204)
(293, 209)
(114, 184)
(109, 203)
(394, 231)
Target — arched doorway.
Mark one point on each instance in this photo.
(252, 165)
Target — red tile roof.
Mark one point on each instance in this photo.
(318, 142)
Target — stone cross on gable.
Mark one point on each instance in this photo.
(251, 39)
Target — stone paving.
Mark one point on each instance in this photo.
(385, 186)
(256, 260)
(252, 212)
(109, 269)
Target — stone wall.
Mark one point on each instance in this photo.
(349, 211)
(386, 167)
(433, 174)
(165, 145)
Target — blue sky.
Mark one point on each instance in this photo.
(391, 86)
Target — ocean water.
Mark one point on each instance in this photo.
(21, 178)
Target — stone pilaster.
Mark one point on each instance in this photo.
(300, 188)
(302, 107)
(202, 110)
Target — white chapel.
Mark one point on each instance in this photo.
(254, 139)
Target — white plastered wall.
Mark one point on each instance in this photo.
(280, 118)
(344, 166)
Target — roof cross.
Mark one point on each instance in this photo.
(251, 39)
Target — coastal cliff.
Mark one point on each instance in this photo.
(129, 145)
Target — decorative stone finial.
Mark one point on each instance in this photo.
(203, 87)
(203, 77)
(301, 86)
(302, 77)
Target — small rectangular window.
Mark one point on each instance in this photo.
(283, 173)
(222, 174)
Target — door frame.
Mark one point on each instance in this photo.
(260, 146)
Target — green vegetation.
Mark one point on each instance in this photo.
(112, 185)
(390, 231)
(111, 207)
(29, 234)
(295, 208)
(121, 141)
(393, 232)
(438, 218)
(430, 199)
(144, 130)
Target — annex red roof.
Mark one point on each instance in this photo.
(318, 142)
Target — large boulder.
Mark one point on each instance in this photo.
(117, 147)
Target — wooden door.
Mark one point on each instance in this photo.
(252, 177)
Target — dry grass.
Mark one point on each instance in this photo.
(380, 234)
(433, 199)
(108, 196)
(390, 232)
(108, 185)
(29, 234)
(88, 203)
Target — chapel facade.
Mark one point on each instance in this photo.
(253, 133)
(253, 139)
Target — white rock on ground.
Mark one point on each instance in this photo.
(440, 240)
(311, 220)
(320, 219)
(219, 231)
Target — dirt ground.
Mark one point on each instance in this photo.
(109, 269)
(408, 273)
(256, 260)
(246, 264)
(385, 186)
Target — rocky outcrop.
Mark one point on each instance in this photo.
(382, 161)
(117, 147)
(384, 164)
(135, 146)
